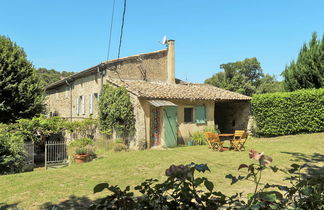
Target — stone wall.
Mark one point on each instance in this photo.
(150, 66)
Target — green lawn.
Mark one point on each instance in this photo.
(73, 185)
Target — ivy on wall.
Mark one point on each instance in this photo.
(116, 111)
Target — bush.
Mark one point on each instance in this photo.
(289, 113)
(119, 141)
(199, 138)
(83, 146)
(12, 151)
(116, 111)
(213, 129)
(82, 142)
(118, 147)
(183, 190)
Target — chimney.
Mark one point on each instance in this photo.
(171, 63)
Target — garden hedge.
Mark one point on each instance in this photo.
(285, 113)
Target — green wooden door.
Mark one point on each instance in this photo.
(170, 126)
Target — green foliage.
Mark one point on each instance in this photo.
(80, 143)
(39, 128)
(289, 113)
(245, 77)
(307, 71)
(82, 146)
(116, 110)
(12, 152)
(118, 147)
(199, 138)
(179, 191)
(182, 190)
(82, 128)
(120, 141)
(21, 94)
(49, 76)
(213, 129)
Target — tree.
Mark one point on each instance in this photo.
(21, 95)
(245, 77)
(116, 111)
(308, 70)
(49, 76)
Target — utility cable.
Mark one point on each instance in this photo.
(111, 27)
(122, 29)
(121, 39)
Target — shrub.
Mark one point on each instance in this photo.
(213, 129)
(82, 128)
(118, 147)
(12, 151)
(83, 146)
(183, 190)
(119, 141)
(116, 111)
(289, 113)
(199, 138)
(82, 142)
(39, 128)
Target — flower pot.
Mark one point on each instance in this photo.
(81, 158)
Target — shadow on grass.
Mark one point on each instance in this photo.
(312, 161)
(4, 206)
(73, 202)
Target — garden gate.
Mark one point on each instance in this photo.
(29, 147)
(55, 153)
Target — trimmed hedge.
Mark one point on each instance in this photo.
(295, 112)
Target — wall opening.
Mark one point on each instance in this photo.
(232, 115)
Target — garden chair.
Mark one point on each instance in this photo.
(240, 137)
(214, 141)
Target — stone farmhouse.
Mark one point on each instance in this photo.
(167, 110)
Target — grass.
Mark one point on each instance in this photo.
(75, 183)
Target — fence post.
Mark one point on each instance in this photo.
(45, 155)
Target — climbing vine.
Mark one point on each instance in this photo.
(116, 111)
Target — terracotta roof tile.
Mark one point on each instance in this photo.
(156, 90)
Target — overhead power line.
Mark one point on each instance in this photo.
(111, 27)
(122, 29)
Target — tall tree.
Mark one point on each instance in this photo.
(21, 95)
(245, 77)
(49, 76)
(308, 70)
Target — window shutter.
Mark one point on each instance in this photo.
(83, 105)
(77, 105)
(91, 108)
(200, 114)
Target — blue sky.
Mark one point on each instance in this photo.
(72, 35)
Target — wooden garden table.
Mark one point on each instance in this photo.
(226, 134)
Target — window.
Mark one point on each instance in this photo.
(200, 114)
(91, 105)
(77, 105)
(188, 115)
(83, 104)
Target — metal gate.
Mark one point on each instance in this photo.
(29, 148)
(55, 153)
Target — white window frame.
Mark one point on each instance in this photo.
(77, 105)
(91, 104)
(83, 104)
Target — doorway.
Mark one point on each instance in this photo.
(170, 126)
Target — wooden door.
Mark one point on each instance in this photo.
(170, 126)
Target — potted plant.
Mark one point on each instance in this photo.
(81, 155)
(84, 150)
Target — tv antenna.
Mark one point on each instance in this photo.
(164, 40)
